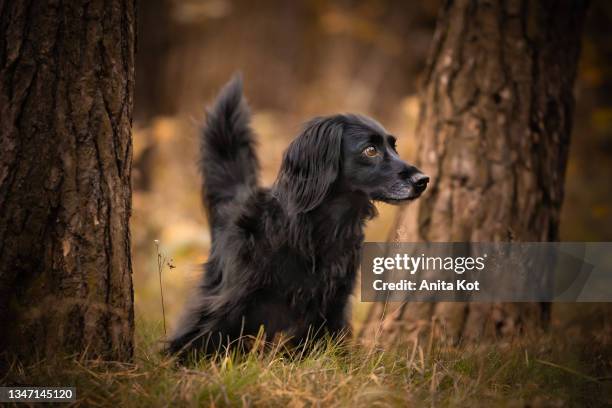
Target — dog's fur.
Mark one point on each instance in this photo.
(285, 258)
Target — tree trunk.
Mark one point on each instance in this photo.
(494, 133)
(66, 90)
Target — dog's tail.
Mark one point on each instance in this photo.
(227, 159)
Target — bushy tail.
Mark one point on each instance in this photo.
(227, 159)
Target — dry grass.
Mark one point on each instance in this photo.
(555, 370)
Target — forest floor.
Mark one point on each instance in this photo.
(569, 366)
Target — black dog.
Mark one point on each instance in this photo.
(285, 258)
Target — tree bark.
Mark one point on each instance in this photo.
(494, 132)
(66, 90)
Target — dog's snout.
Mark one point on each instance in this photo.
(420, 181)
(408, 172)
(415, 177)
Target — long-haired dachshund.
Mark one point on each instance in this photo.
(286, 257)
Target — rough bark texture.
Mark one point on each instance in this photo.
(494, 133)
(66, 90)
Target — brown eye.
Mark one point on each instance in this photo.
(370, 151)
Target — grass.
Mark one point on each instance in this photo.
(542, 372)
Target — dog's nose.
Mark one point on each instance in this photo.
(420, 182)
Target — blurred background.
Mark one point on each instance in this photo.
(300, 59)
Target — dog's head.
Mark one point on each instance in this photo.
(352, 152)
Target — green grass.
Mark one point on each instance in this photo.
(554, 370)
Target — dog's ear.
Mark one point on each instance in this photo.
(311, 165)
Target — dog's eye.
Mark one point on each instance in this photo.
(370, 151)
